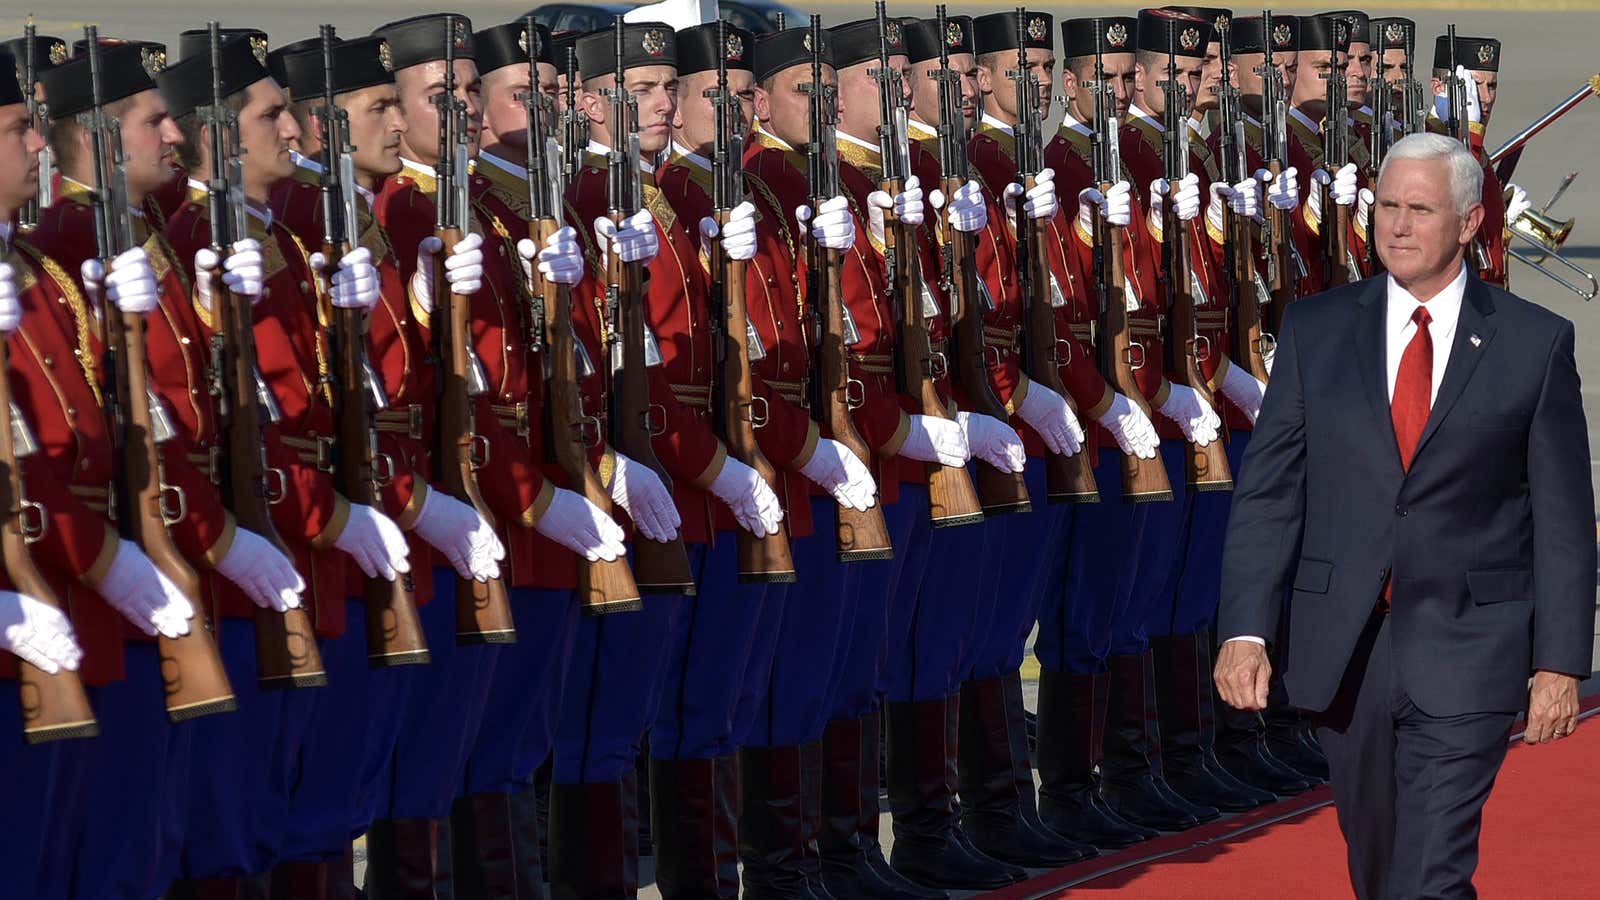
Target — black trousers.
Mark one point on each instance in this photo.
(1409, 787)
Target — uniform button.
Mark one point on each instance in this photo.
(194, 391)
(771, 280)
(305, 286)
(785, 367)
(84, 465)
(49, 361)
(183, 340)
(72, 412)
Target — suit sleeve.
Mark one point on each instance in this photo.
(1563, 510)
(1269, 503)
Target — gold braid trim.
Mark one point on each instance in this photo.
(324, 368)
(81, 315)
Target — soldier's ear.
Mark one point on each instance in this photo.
(763, 104)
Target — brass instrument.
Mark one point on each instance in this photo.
(1547, 233)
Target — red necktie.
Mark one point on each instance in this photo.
(1413, 389)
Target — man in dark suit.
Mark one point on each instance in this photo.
(1420, 475)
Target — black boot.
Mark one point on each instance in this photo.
(991, 807)
(1242, 750)
(926, 849)
(525, 839)
(1022, 771)
(402, 857)
(683, 802)
(1183, 699)
(1291, 743)
(725, 845)
(811, 821)
(952, 777)
(1130, 781)
(769, 823)
(640, 778)
(1069, 749)
(588, 841)
(847, 870)
(484, 863)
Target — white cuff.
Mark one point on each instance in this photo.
(1247, 637)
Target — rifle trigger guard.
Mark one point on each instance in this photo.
(938, 365)
(34, 520)
(1202, 348)
(275, 485)
(1063, 359)
(172, 503)
(991, 356)
(856, 397)
(650, 426)
(382, 469)
(589, 431)
(1267, 344)
(478, 452)
(1136, 360)
(758, 419)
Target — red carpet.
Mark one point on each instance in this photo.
(1539, 837)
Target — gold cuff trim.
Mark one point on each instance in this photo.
(608, 466)
(1162, 393)
(1018, 395)
(809, 449)
(541, 504)
(712, 469)
(97, 570)
(407, 519)
(1093, 413)
(1215, 381)
(1311, 221)
(1214, 232)
(1082, 233)
(219, 549)
(898, 439)
(335, 526)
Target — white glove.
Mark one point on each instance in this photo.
(134, 587)
(1283, 192)
(38, 634)
(242, 272)
(638, 489)
(834, 227)
(1341, 185)
(355, 281)
(1246, 198)
(993, 441)
(1047, 412)
(841, 473)
(259, 569)
(131, 283)
(1519, 204)
(1186, 198)
(1244, 390)
(739, 239)
(1116, 205)
(1222, 196)
(578, 525)
(1441, 102)
(635, 240)
(375, 542)
(1193, 415)
(936, 440)
(463, 268)
(755, 507)
(965, 210)
(1041, 202)
(10, 300)
(1133, 430)
(907, 206)
(560, 260)
(456, 530)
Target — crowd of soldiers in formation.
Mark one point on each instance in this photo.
(534, 451)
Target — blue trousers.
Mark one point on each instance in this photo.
(1160, 551)
(613, 689)
(525, 694)
(1102, 560)
(1030, 566)
(943, 615)
(853, 689)
(1196, 587)
(127, 777)
(712, 652)
(913, 555)
(443, 710)
(41, 798)
(813, 633)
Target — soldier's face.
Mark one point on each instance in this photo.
(858, 94)
(1311, 77)
(148, 138)
(783, 106)
(19, 158)
(505, 118)
(1420, 234)
(655, 90)
(1394, 66)
(1147, 81)
(925, 88)
(376, 128)
(1210, 77)
(1357, 72)
(420, 86)
(999, 88)
(696, 125)
(1245, 74)
(1119, 70)
(267, 132)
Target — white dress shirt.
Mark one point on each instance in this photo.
(1444, 310)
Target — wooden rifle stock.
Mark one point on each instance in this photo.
(603, 587)
(998, 492)
(286, 646)
(1248, 343)
(483, 609)
(659, 567)
(1143, 480)
(1280, 252)
(1069, 479)
(1339, 245)
(1205, 468)
(54, 707)
(767, 558)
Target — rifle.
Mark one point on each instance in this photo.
(763, 558)
(394, 633)
(1205, 468)
(1277, 237)
(1335, 154)
(483, 610)
(861, 534)
(54, 707)
(142, 503)
(286, 647)
(658, 566)
(603, 586)
(1416, 102)
(998, 491)
(1143, 480)
(1381, 138)
(1069, 479)
(1243, 283)
(951, 498)
(39, 118)
(1458, 127)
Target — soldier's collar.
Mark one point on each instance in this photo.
(921, 130)
(994, 124)
(418, 169)
(199, 191)
(1304, 119)
(75, 191)
(1070, 125)
(684, 156)
(768, 139)
(1135, 112)
(305, 162)
(510, 168)
(596, 148)
(852, 139)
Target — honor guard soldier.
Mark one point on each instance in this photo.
(1478, 78)
(1323, 44)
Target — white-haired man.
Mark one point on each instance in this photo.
(1422, 447)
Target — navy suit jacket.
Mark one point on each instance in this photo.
(1490, 537)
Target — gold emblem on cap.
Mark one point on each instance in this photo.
(1221, 23)
(1281, 35)
(153, 59)
(1117, 35)
(1341, 31)
(806, 41)
(952, 34)
(58, 52)
(1036, 29)
(461, 34)
(891, 32)
(258, 48)
(522, 40)
(654, 42)
(734, 48)
(1486, 54)
(1189, 39)
(1394, 32)
(385, 58)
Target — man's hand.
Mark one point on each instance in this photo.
(1552, 707)
(1243, 672)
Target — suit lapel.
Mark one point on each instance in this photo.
(1371, 353)
(1474, 331)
